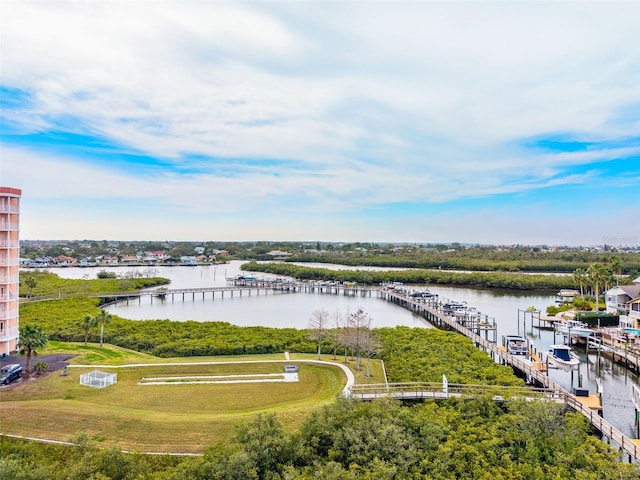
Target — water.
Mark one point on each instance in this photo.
(295, 309)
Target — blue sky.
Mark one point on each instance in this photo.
(481, 122)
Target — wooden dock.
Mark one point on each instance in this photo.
(434, 314)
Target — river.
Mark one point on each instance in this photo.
(295, 309)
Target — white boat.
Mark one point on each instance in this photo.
(516, 344)
(566, 295)
(562, 357)
(574, 328)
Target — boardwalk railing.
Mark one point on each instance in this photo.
(436, 390)
(211, 292)
(434, 315)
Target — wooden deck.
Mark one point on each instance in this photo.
(592, 402)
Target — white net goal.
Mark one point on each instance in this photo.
(98, 379)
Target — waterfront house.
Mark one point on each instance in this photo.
(42, 262)
(188, 260)
(633, 307)
(65, 261)
(619, 298)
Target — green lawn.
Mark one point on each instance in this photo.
(163, 418)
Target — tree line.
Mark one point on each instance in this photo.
(499, 280)
(348, 440)
(488, 259)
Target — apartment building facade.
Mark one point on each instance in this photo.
(9, 261)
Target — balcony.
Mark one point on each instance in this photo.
(9, 262)
(9, 333)
(7, 227)
(8, 314)
(10, 244)
(6, 279)
(9, 209)
(7, 297)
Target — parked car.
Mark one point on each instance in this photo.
(9, 373)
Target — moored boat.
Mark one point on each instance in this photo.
(562, 357)
(575, 328)
(566, 295)
(515, 344)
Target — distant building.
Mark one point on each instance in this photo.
(64, 260)
(278, 254)
(9, 263)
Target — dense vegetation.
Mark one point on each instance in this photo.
(163, 338)
(455, 439)
(424, 277)
(423, 355)
(39, 283)
(478, 258)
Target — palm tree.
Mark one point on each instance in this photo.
(87, 323)
(32, 337)
(614, 264)
(102, 318)
(30, 283)
(580, 277)
(598, 273)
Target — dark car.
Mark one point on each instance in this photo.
(9, 373)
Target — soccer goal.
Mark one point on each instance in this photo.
(98, 379)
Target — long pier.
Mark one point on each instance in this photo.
(434, 312)
(235, 286)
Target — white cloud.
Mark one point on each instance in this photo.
(373, 102)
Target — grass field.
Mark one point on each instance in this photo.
(165, 418)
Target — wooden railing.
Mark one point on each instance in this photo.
(614, 435)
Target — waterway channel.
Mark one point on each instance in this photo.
(294, 310)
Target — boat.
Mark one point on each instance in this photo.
(562, 357)
(574, 328)
(515, 344)
(454, 308)
(566, 295)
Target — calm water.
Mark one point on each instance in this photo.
(295, 309)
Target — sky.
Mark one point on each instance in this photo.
(370, 121)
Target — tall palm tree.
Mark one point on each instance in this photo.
(30, 283)
(614, 264)
(87, 323)
(32, 338)
(580, 277)
(598, 273)
(102, 318)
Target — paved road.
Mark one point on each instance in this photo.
(55, 361)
